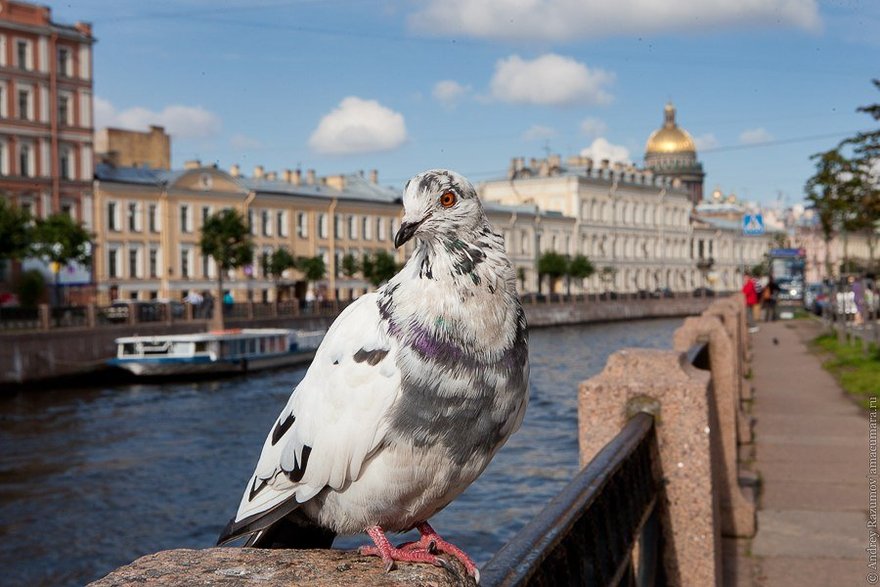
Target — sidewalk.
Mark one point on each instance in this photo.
(811, 453)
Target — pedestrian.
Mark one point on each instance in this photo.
(769, 296)
(751, 295)
(207, 305)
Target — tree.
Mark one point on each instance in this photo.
(606, 275)
(276, 264)
(384, 268)
(15, 231)
(226, 238)
(521, 275)
(580, 268)
(59, 240)
(313, 268)
(350, 265)
(553, 265)
(367, 267)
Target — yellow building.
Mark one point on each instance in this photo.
(147, 224)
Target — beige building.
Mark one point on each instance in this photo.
(148, 222)
(131, 148)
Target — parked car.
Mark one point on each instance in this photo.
(144, 311)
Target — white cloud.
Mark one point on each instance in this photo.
(602, 149)
(755, 135)
(244, 142)
(705, 142)
(558, 20)
(181, 122)
(549, 80)
(538, 132)
(593, 127)
(448, 92)
(358, 126)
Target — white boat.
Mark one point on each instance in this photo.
(226, 351)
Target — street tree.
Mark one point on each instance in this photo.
(350, 265)
(384, 268)
(579, 268)
(553, 265)
(15, 231)
(313, 268)
(606, 276)
(226, 238)
(59, 240)
(276, 264)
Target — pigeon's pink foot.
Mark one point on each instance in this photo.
(424, 550)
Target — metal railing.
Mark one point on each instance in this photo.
(586, 535)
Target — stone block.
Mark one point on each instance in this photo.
(664, 378)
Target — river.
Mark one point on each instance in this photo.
(91, 479)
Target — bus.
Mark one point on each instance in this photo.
(787, 269)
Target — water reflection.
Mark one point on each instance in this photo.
(92, 478)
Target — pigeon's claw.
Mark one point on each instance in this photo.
(432, 542)
(411, 552)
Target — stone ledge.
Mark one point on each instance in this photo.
(288, 568)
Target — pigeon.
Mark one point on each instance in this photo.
(411, 393)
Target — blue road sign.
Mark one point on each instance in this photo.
(753, 224)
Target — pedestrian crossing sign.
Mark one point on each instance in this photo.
(753, 224)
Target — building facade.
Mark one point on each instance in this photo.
(46, 127)
(671, 152)
(131, 148)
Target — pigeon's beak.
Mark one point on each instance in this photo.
(406, 232)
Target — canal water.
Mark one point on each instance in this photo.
(91, 479)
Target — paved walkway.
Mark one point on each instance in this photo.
(811, 454)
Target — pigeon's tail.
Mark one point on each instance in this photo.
(280, 527)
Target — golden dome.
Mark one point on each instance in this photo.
(670, 138)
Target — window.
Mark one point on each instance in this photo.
(63, 109)
(281, 221)
(22, 50)
(111, 216)
(337, 226)
(3, 112)
(206, 266)
(112, 262)
(322, 226)
(206, 213)
(153, 218)
(366, 228)
(134, 224)
(266, 223)
(24, 104)
(133, 265)
(184, 218)
(64, 61)
(352, 227)
(154, 262)
(380, 228)
(302, 225)
(64, 163)
(67, 208)
(25, 160)
(184, 262)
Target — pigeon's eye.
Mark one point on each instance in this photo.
(447, 200)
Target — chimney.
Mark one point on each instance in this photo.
(310, 177)
(192, 164)
(296, 177)
(374, 176)
(336, 182)
(235, 170)
(286, 176)
(258, 172)
(272, 176)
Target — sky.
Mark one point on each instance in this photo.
(403, 85)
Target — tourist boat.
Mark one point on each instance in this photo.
(225, 351)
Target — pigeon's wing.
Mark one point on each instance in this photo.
(334, 419)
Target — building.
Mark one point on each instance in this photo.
(131, 148)
(148, 223)
(46, 155)
(671, 152)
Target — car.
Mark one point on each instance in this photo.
(144, 310)
(704, 292)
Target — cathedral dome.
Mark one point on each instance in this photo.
(670, 138)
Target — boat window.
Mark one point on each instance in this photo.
(129, 349)
(252, 346)
(201, 346)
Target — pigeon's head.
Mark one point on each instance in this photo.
(436, 204)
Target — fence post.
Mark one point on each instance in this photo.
(91, 315)
(737, 512)
(663, 382)
(45, 314)
(250, 309)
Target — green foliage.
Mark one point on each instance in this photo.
(606, 275)
(226, 238)
(858, 374)
(278, 262)
(30, 287)
(367, 266)
(61, 239)
(313, 268)
(553, 264)
(383, 268)
(581, 267)
(350, 265)
(759, 270)
(15, 231)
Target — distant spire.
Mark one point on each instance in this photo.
(669, 115)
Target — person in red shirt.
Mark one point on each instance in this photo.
(751, 294)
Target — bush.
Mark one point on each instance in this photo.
(30, 288)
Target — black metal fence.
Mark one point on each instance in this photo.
(587, 534)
